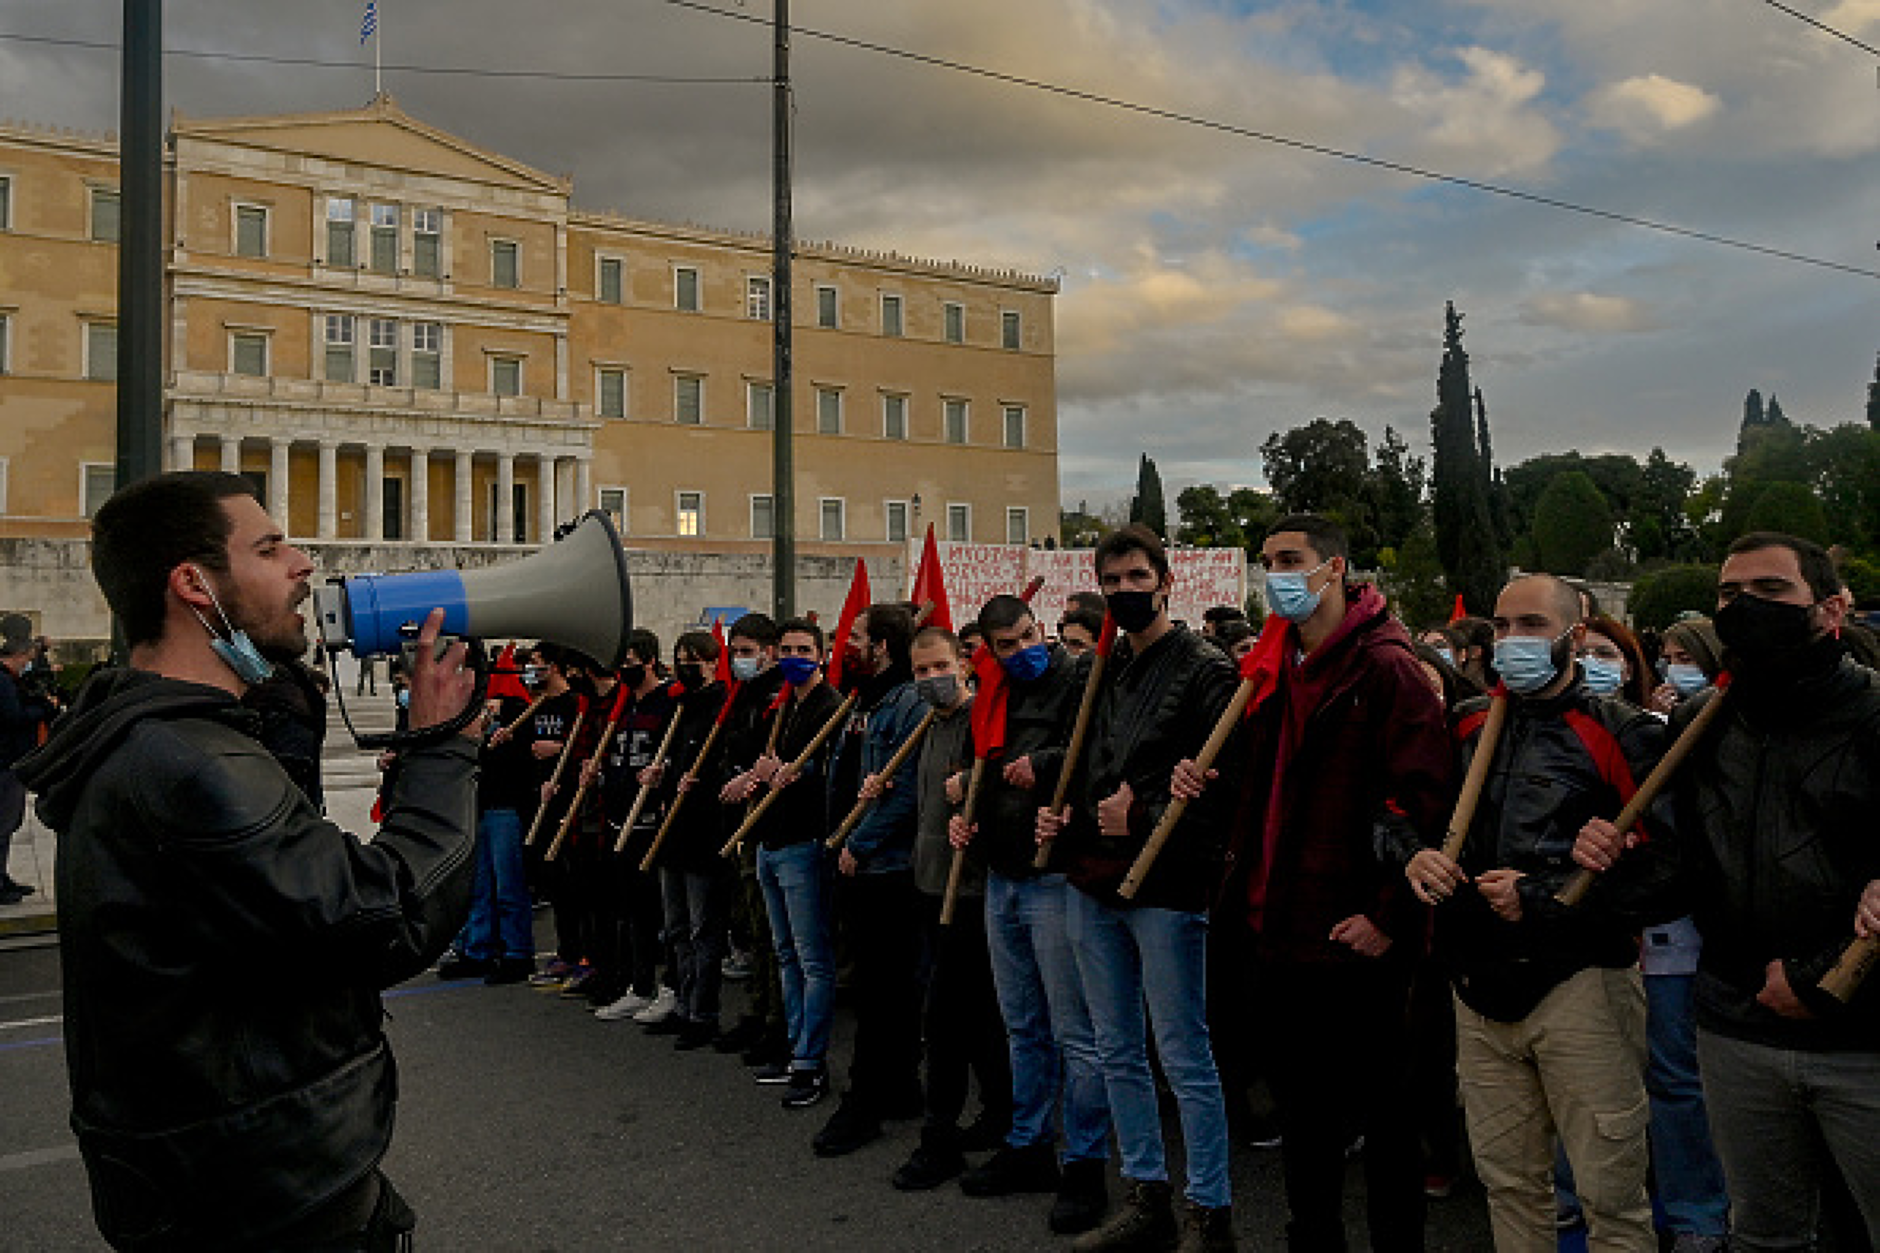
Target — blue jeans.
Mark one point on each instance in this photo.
(797, 893)
(502, 922)
(1690, 1179)
(1047, 1024)
(1125, 956)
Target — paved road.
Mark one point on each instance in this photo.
(527, 1125)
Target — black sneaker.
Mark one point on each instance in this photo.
(806, 1088)
(772, 1074)
(849, 1128)
(457, 966)
(696, 1036)
(1033, 1168)
(936, 1160)
(510, 970)
(1082, 1198)
(985, 1133)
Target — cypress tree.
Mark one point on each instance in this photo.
(1873, 396)
(1147, 506)
(1467, 542)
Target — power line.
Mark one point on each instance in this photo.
(1842, 35)
(204, 54)
(1301, 145)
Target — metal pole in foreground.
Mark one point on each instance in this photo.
(140, 246)
(783, 472)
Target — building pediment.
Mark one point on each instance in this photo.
(381, 135)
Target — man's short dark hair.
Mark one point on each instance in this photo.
(893, 625)
(1217, 614)
(1091, 622)
(755, 627)
(972, 631)
(1817, 567)
(701, 644)
(1091, 602)
(148, 529)
(804, 625)
(1002, 613)
(1134, 538)
(643, 644)
(1325, 536)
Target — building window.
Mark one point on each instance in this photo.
(427, 242)
(832, 511)
(757, 298)
(826, 309)
(691, 514)
(105, 215)
(1018, 526)
(427, 355)
(1014, 426)
(1009, 329)
(385, 238)
(6, 326)
(613, 503)
(956, 421)
(505, 268)
(896, 512)
(610, 392)
(760, 406)
(339, 348)
(960, 523)
(954, 318)
(101, 352)
(828, 411)
(3, 486)
(339, 234)
(382, 357)
(894, 417)
(506, 376)
(248, 353)
(611, 288)
(891, 323)
(100, 480)
(251, 231)
(685, 288)
(688, 400)
(763, 518)
(6, 203)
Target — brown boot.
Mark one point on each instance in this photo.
(1144, 1223)
(1207, 1230)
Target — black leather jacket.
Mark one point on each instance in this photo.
(1038, 723)
(223, 949)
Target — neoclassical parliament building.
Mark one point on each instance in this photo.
(404, 339)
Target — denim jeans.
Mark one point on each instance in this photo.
(1127, 956)
(797, 893)
(502, 923)
(698, 909)
(1689, 1177)
(1047, 1023)
(1776, 1113)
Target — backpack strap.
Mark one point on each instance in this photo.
(1603, 747)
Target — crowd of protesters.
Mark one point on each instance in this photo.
(1008, 848)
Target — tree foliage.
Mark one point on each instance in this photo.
(1791, 509)
(1468, 542)
(1572, 524)
(1873, 396)
(1147, 506)
(1660, 596)
(1210, 520)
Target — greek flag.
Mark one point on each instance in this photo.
(369, 25)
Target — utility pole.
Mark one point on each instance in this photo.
(140, 246)
(783, 471)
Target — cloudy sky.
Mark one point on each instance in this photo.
(1215, 287)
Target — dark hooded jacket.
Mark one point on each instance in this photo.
(1038, 720)
(223, 949)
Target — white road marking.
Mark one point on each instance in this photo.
(39, 1157)
(32, 1022)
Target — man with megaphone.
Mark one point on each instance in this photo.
(223, 945)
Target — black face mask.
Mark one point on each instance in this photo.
(633, 676)
(1132, 611)
(1762, 634)
(582, 684)
(691, 677)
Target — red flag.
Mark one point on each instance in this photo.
(858, 600)
(1106, 638)
(930, 584)
(505, 679)
(1460, 611)
(723, 674)
(989, 702)
(1265, 661)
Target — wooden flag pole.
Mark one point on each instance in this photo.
(639, 799)
(525, 715)
(580, 793)
(809, 750)
(895, 762)
(958, 868)
(678, 800)
(1204, 761)
(1857, 962)
(554, 780)
(1472, 784)
(1080, 730)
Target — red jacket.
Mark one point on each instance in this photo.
(1360, 730)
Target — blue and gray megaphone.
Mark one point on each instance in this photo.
(574, 592)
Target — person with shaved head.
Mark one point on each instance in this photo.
(1550, 1006)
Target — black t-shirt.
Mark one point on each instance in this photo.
(506, 772)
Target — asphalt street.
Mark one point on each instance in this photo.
(527, 1125)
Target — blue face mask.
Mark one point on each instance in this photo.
(798, 670)
(1028, 663)
(1288, 595)
(237, 652)
(744, 669)
(1688, 679)
(1526, 662)
(1601, 677)
(1448, 655)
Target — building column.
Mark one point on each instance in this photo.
(278, 450)
(231, 454)
(182, 452)
(583, 485)
(465, 500)
(505, 494)
(375, 492)
(329, 490)
(545, 491)
(419, 527)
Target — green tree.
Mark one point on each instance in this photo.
(1080, 528)
(1317, 468)
(1660, 596)
(1205, 519)
(1468, 543)
(1572, 524)
(1394, 491)
(1147, 505)
(1416, 584)
(1873, 396)
(1656, 525)
(1790, 508)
